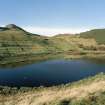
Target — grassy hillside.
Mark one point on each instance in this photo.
(17, 44)
(97, 34)
(90, 91)
(16, 41)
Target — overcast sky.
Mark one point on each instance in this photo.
(50, 17)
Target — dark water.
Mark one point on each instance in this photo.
(50, 73)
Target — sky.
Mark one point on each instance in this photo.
(49, 17)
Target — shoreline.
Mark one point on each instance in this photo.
(16, 61)
(55, 95)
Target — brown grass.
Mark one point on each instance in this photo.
(50, 95)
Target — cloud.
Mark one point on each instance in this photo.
(53, 31)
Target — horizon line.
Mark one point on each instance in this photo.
(48, 31)
(45, 31)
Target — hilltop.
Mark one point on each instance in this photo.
(16, 41)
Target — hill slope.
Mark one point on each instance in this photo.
(97, 34)
(14, 40)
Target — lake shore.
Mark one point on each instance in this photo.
(16, 61)
(85, 92)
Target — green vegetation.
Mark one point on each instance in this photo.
(97, 34)
(92, 99)
(17, 45)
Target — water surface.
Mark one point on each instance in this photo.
(51, 72)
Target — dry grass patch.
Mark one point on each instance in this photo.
(55, 95)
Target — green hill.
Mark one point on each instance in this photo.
(17, 45)
(97, 34)
(16, 41)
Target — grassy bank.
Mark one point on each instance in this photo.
(24, 59)
(90, 91)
